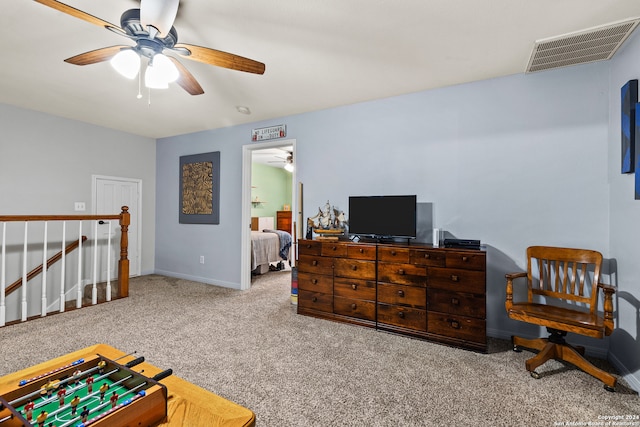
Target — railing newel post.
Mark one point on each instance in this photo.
(123, 264)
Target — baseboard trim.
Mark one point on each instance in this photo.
(205, 280)
(632, 378)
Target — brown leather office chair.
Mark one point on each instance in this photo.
(562, 294)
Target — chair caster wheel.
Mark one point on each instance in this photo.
(517, 349)
(609, 388)
(535, 375)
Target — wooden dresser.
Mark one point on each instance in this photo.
(283, 221)
(438, 294)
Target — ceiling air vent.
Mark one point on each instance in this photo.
(581, 47)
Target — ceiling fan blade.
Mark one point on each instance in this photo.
(95, 56)
(186, 80)
(220, 58)
(77, 13)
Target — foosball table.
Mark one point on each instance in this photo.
(100, 386)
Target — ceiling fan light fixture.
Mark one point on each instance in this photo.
(159, 14)
(126, 62)
(160, 72)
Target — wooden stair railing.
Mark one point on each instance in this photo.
(124, 220)
(33, 273)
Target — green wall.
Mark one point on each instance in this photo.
(271, 185)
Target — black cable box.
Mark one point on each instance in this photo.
(462, 243)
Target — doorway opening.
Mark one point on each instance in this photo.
(255, 203)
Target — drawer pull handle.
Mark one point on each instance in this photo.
(314, 262)
(401, 272)
(314, 299)
(335, 248)
(353, 306)
(354, 286)
(401, 314)
(361, 250)
(354, 267)
(455, 278)
(308, 246)
(455, 301)
(427, 256)
(454, 324)
(401, 293)
(465, 258)
(314, 281)
(393, 253)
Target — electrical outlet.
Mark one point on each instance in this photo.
(79, 207)
(201, 259)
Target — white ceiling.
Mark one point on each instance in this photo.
(318, 54)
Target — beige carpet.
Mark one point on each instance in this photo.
(252, 348)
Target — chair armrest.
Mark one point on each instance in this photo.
(510, 278)
(608, 306)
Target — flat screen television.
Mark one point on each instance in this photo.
(382, 216)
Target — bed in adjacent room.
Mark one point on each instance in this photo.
(267, 247)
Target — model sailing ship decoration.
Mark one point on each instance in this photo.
(329, 223)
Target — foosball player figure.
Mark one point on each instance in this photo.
(89, 384)
(101, 365)
(41, 418)
(103, 390)
(28, 410)
(75, 378)
(61, 394)
(74, 404)
(48, 388)
(114, 399)
(84, 414)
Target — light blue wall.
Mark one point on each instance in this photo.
(625, 232)
(513, 161)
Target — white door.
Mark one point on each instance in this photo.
(110, 194)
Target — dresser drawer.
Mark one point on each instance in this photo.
(361, 252)
(354, 288)
(355, 308)
(315, 264)
(470, 260)
(459, 303)
(315, 301)
(411, 318)
(334, 249)
(309, 247)
(393, 254)
(404, 274)
(427, 257)
(315, 282)
(359, 269)
(402, 295)
(464, 328)
(457, 279)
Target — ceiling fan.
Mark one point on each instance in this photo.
(288, 161)
(151, 28)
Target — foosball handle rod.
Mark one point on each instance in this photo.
(134, 362)
(163, 374)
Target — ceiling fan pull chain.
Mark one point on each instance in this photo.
(140, 82)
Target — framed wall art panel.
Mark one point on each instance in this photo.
(200, 188)
(628, 100)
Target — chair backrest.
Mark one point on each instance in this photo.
(570, 276)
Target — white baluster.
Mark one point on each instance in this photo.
(94, 288)
(24, 273)
(62, 267)
(43, 309)
(109, 264)
(3, 277)
(79, 292)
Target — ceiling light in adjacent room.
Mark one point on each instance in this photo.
(288, 167)
(127, 63)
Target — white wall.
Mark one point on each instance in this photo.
(625, 228)
(46, 163)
